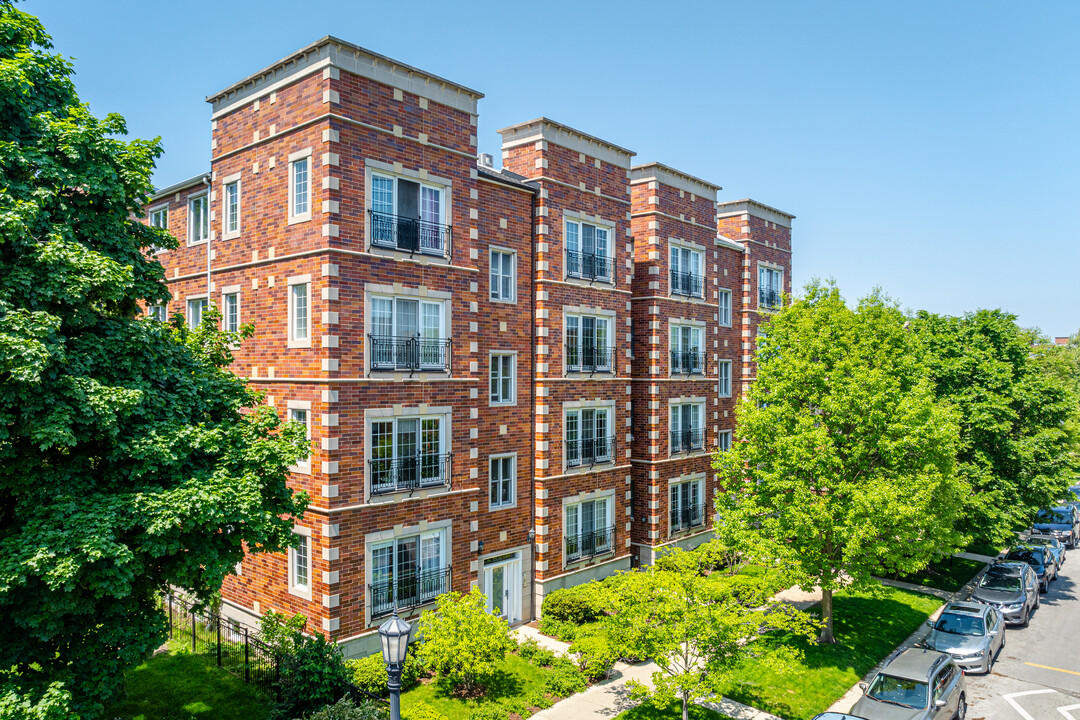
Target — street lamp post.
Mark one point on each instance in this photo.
(394, 634)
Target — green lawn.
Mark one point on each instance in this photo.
(982, 548)
(867, 629)
(949, 574)
(180, 686)
(515, 679)
(671, 712)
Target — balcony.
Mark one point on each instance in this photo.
(390, 352)
(588, 266)
(687, 516)
(686, 283)
(400, 474)
(590, 451)
(407, 590)
(687, 440)
(687, 362)
(410, 234)
(589, 358)
(590, 544)
(768, 298)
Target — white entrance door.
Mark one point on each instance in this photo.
(502, 585)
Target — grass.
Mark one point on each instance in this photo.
(672, 712)
(979, 547)
(515, 678)
(867, 627)
(180, 686)
(950, 573)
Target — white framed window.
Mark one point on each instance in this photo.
(686, 275)
(588, 344)
(157, 312)
(723, 299)
(300, 312)
(408, 333)
(686, 506)
(503, 275)
(724, 440)
(300, 186)
(408, 571)
(195, 309)
(299, 558)
(687, 356)
(230, 207)
(408, 214)
(300, 411)
(502, 385)
(502, 490)
(770, 286)
(230, 312)
(589, 436)
(159, 218)
(588, 529)
(198, 219)
(589, 251)
(686, 430)
(408, 453)
(723, 380)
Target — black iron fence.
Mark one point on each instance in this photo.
(410, 234)
(687, 283)
(589, 266)
(391, 352)
(687, 516)
(689, 362)
(589, 358)
(407, 590)
(687, 440)
(423, 470)
(590, 451)
(590, 544)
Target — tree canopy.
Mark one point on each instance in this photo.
(132, 459)
(844, 460)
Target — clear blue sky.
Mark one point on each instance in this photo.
(929, 148)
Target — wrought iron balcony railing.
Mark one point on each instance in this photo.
(589, 266)
(407, 590)
(410, 234)
(390, 352)
(687, 440)
(687, 283)
(688, 362)
(590, 451)
(590, 544)
(423, 470)
(589, 358)
(687, 516)
(768, 298)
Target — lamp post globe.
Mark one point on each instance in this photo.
(394, 636)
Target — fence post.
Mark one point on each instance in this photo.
(170, 617)
(219, 641)
(193, 634)
(247, 665)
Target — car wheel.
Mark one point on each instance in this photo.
(1042, 586)
(961, 709)
(1038, 601)
(1027, 618)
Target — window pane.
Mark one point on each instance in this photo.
(300, 311)
(232, 207)
(430, 203)
(301, 562)
(382, 194)
(300, 187)
(382, 317)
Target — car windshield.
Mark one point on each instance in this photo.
(996, 581)
(1049, 542)
(1051, 517)
(900, 691)
(1031, 557)
(958, 624)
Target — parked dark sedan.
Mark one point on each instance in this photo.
(1056, 547)
(1011, 587)
(1039, 558)
(1063, 522)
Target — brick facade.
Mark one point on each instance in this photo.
(392, 279)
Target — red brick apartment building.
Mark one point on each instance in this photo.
(511, 378)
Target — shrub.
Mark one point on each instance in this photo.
(578, 605)
(595, 655)
(528, 648)
(421, 711)
(565, 631)
(565, 679)
(462, 640)
(488, 711)
(369, 673)
(539, 700)
(279, 632)
(347, 709)
(516, 706)
(313, 675)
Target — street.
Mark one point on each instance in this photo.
(1037, 676)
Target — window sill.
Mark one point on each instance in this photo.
(297, 219)
(299, 470)
(193, 243)
(496, 508)
(502, 404)
(299, 343)
(502, 301)
(305, 594)
(231, 235)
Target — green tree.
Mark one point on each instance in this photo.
(694, 628)
(131, 459)
(1017, 448)
(845, 460)
(462, 641)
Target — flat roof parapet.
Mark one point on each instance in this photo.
(747, 206)
(546, 129)
(674, 178)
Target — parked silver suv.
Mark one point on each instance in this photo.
(972, 633)
(916, 684)
(1011, 587)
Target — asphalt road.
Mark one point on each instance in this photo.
(1037, 675)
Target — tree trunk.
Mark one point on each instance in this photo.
(685, 705)
(826, 637)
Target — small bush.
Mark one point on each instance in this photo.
(347, 709)
(516, 706)
(369, 673)
(312, 676)
(565, 679)
(528, 648)
(562, 629)
(595, 655)
(539, 700)
(578, 605)
(488, 711)
(462, 640)
(421, 711)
